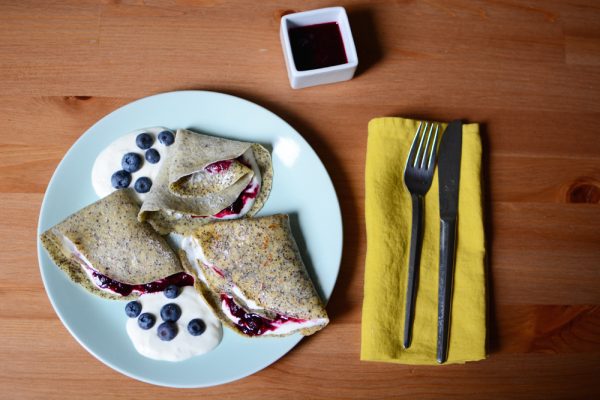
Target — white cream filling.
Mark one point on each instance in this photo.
(247, 303)
(72, 249)
(183, 345)
(228, 313)
(85, 264)
(194, 254)
(292, 326)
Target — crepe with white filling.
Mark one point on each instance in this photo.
(202, 177)
(251, 274)
(103, 247)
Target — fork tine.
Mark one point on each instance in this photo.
(425, 158)
(419, 153)
(413, 148)
(433, 154)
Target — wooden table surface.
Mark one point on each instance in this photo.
(528, 71)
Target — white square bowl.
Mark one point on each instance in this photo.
(319, 76)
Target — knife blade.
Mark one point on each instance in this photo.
(449, 157)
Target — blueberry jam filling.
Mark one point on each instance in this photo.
(236, 207)
(219, 166)
(218, 271)
(124, 289)
(253, 324)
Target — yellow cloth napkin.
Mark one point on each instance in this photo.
(388, 212)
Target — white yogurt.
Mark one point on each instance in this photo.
(109, 161)
(183, 345)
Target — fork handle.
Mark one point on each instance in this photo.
(416, 237)
(447, 258)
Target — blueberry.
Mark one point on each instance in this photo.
(167, 331)
(144, 141)
(196, 327)
(131, 162)
(152, 156)
(166, 138)
(142, 185)
(171, 291)
(146, 321)
(170, 312)
(120, 179)
(133, 309)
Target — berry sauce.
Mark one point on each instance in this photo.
(219, 166)
(253, 324)
(317, 46)
(218, 272)
(236, 207)
(124, 289)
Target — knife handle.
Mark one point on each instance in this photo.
(416, 237)
(447, 253)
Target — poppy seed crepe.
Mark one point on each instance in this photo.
(254, 264)
(107, 237)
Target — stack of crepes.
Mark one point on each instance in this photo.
(187, 193)
(388, 220)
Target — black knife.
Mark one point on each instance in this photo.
(449, 179)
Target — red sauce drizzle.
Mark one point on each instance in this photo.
(218, 166)
(124, 289)
(253, 324)
(219, 272)
(250, 192)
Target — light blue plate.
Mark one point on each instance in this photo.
(301, 188)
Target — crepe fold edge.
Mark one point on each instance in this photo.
(193, 151)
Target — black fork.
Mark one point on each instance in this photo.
(418, 176)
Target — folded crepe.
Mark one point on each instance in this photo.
(105, 249)
(205, 178)
(251, 274)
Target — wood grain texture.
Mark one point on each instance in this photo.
(528, 71)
